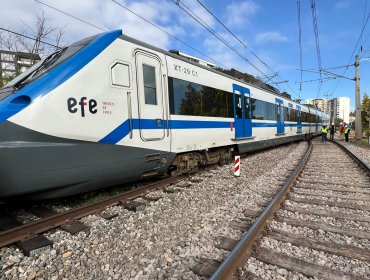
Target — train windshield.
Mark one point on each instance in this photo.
(46, 64)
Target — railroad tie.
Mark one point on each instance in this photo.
(30, 246)
(330, 247)
(294, 264)
(206, 267)
(73, 227)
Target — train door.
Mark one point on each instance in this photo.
(280, 116)
(242, 112)
(150, 96)
(316, 121)
(299, 119)
(289, 115)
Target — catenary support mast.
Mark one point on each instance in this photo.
(358, 135)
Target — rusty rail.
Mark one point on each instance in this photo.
(244, 247)
(363, 164)
(29, 230)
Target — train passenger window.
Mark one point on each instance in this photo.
(191, 99)
(246, 103)
(270, 111)
(287, 113)
(258, 109)
(262, 110)
(120, 75)
(238, 113)
(150, 90)
(293, 115)
(303, 116)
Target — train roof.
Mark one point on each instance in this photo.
(259, 84)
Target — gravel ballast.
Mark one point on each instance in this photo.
(166, 239)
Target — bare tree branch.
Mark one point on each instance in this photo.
(41, 31)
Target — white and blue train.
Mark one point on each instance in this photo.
(110, 109)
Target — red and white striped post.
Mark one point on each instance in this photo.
(237, 166)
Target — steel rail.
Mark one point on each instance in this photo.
(29, 230)
(363, 164)
(243, 249)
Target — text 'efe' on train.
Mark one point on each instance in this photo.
(110, 109)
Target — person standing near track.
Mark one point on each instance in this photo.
(324, 133)
(341, 131)
(346, 132)
(332, 131)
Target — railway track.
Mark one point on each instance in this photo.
(324, 211)
(175, 228)
(26, 236)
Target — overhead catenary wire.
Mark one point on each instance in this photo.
(28, 37)
(321, 80)
(72, 16)
(237, 38)
(354, 50)
(326, 72)
(161, 29)
(317, 41)
(363, 19)
(331, 68)
(188, 11)
(300, 44)
(169, 34)
(149, 22)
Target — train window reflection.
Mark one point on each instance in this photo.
(150, 91)
(187, 98)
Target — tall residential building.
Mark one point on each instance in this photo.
(339, 108)
(15, 63)
(320, 103)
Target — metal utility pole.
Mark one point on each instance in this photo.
(358, 135)
(328, 107)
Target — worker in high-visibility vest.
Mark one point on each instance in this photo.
(346, 132)
(332, 131)
(324, 133)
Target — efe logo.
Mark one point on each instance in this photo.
(71, 103)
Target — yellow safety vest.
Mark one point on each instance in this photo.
(346, 131)
(324, 130)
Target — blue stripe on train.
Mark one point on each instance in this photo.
(51, 80)
(124, 129)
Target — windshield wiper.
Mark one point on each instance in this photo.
(42, 65)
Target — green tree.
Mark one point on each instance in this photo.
(365, 111)
(365, 114)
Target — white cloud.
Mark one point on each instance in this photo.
(167, 15)
(239, 13)
(105, 14)
(222, 54)
(273, 36)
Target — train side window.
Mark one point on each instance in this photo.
(293, 115)
(270, 111)
(191, 99)
(150, 89)
(238, 112)
(120, 73)
(246, 103)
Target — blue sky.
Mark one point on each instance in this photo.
(268, 27)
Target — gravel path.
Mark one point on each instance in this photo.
(166, 239)
(318, 173)
(360, 151)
